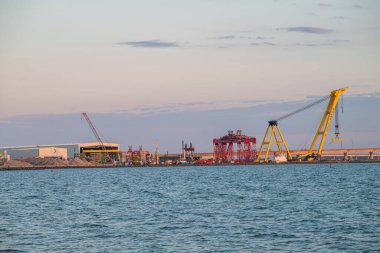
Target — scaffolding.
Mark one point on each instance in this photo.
(226, 152)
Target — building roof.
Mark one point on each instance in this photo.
(80, 144)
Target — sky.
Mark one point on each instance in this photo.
(167, 60)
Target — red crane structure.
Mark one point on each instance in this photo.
(189, 150)
(225, 152)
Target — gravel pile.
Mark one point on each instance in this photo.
(46, 162)
(15, 164)
(80, 162)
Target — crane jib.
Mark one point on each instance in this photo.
(273, 134)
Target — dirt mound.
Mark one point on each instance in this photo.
(46, 162)
(16, 164)
(80, 162)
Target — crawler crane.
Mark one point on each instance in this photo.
(93, 129)
(274, 130)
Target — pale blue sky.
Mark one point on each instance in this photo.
(151, 57)
(107, 56)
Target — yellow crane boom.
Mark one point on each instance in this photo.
(273, 129)
(326, 120)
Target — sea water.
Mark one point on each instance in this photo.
(192, 209)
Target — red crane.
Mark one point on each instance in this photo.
(93, 129)
(224, 151)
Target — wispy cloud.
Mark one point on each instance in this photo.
(232, 37)
(260, 101)
(324, 5)
(263, 44)
(323, 44)
(149, 43)
(195, 103)
(227, 37)
(309, 44)
(338, 41)
(357, 6)
(306, 29)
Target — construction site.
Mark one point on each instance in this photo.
(233, 148)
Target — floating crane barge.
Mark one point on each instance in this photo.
(273, 130)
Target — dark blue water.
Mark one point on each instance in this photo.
(192, 209)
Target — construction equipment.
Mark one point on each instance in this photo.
(326, 120)
(321, 133)
(275, 132)
(93, 129)
(224, 151)
(337, 133)
(188, 151)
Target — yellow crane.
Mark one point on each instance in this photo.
(279, 140)
(273, 134)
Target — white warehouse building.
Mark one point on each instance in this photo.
(17, 153)
(63, 151)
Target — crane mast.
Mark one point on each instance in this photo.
(326, 120)
(93, 129)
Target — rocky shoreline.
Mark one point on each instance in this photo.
(39, 163)
(75, 163)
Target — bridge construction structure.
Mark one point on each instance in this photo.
(226, 152)
(328, 154)
(345, 154)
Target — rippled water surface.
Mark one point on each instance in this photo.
(192, 209)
